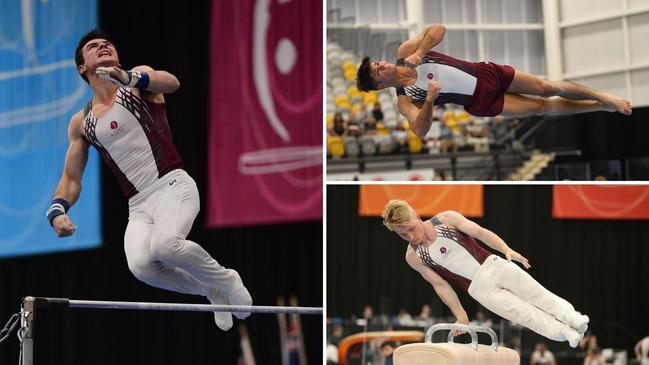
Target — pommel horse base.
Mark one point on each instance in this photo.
(451, 353)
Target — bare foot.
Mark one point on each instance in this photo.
(619, 104)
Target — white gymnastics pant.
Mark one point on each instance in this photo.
(510, 292)
(156, 249)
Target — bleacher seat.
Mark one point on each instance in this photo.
(367, 145)
(386, 144)
(335, 146)
(351, 146)
(414, 143)
(330, 121)
(370, 98)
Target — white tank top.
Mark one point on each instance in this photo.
(458, 79)
(454, 255)
(134, 139)
(451, 79)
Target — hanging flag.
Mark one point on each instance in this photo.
(291, 337)
(600, 202)
(427, 200)
(265, 135)
(247, 357)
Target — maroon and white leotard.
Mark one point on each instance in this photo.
(134, 139)
(478, 86)
(454, 255)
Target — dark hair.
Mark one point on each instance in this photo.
(389, 343)
(364, 80)
(338, 118)
(95, 33)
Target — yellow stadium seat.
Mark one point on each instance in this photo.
(349, 74)
(382, 130)
(345, 105)
(348, 65)
(335, 146)
(330, 121)
(353, 92)
(414, 143)
(341, 99)
(452, 122)
(356, 108)
(370, 98)
(463, 116)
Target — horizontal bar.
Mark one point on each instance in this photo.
(177, 307)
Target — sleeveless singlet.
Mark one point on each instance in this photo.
(454, 255)
(134, 139)
(458, 79)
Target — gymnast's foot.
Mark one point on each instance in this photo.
(223, 319)
(573, 337)
(578, 322)
(584, 324)
(616, 103)
(239, 296)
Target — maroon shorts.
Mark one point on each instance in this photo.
(489, 95)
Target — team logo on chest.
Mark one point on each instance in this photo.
(431, 73)
(115, 127)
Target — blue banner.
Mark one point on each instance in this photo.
(40, 90)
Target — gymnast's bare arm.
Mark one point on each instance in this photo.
(457, 220)
(69, 186)
(160, 82)
(441, 286)
(413, 50)
(419, 115)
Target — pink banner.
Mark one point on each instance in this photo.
(265, 136)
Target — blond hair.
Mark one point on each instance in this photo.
(397, 213)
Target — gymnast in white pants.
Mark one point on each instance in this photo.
(126, 122)
(443, 250)
(159, 254)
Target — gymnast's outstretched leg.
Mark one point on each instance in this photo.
(525, 83)
(180, 264)
(505, 289)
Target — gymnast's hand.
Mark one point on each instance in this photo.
(465, 321)
(413, 60)
(433, 90)
(513, 255)
(63, 225)
(114, 74)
